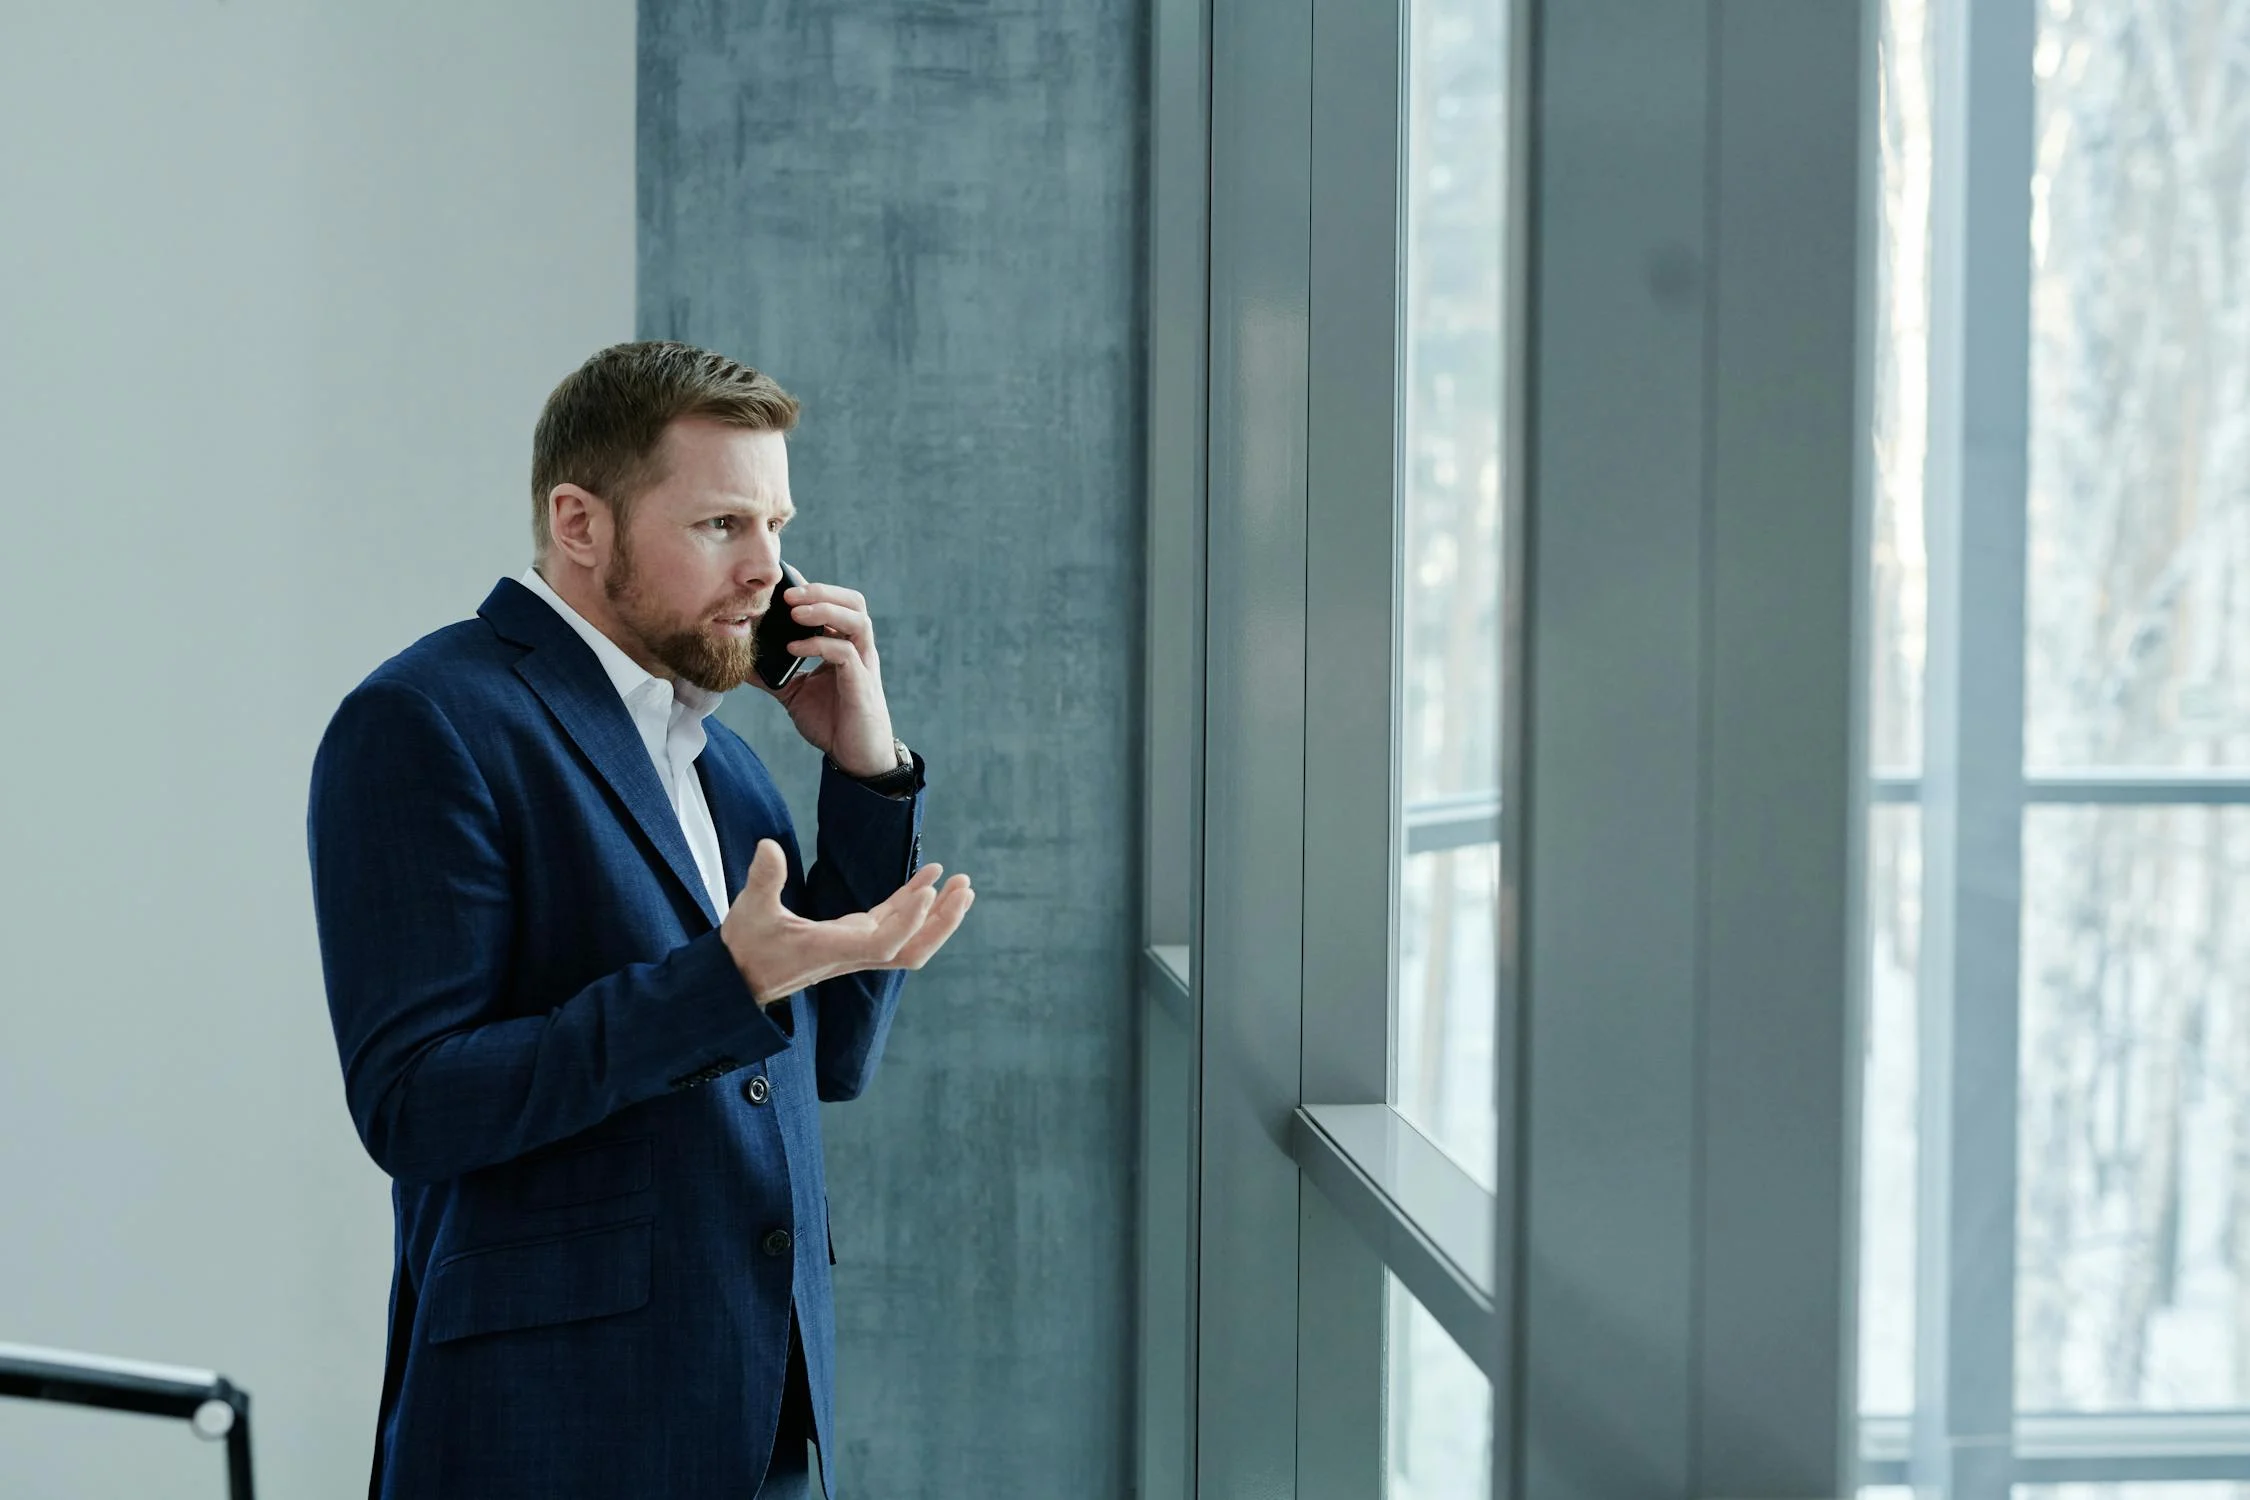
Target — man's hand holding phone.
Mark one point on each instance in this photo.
(840, 711)
(780, 953)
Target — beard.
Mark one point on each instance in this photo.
(716, 663)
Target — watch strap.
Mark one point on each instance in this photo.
(896, 782)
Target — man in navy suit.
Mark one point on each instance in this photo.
(586, 992)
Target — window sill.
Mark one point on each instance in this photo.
(1428, 1219)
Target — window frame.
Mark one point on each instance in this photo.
(1721, 1363)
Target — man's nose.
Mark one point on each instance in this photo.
(761, 570)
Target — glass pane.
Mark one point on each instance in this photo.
(1449, 910)
(1898, 635)
(1900, 596)
(1450, 477)
(2133, 1249)
(1887, 1218)
(2140, 386)
(1440, 1419)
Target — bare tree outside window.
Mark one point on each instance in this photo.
(2133, 1210)
(2135, 1117)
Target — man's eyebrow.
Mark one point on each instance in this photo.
(752, 512)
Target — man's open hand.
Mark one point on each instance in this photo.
(780, 953)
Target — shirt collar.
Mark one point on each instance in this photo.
(627, 675)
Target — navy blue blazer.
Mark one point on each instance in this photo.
(606, 1157)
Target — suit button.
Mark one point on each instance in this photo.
(777, 1242)
(756, 1089)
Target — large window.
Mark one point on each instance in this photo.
(2077, 565)
(1500, 777)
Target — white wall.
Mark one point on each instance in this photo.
(282, 284)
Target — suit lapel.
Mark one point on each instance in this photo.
(733, 862)
(562, 670)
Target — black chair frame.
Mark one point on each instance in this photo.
(213, 1406)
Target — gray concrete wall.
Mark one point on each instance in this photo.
(924, 219)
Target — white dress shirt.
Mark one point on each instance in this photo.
(669, 716)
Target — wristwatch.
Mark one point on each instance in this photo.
(896, 782)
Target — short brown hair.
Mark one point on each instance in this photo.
(601, 426)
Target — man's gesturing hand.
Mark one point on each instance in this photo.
(779, 952)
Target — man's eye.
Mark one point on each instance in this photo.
(777, 523)
(721, 521)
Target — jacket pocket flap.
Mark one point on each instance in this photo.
(585, 1174)
(590, 1274)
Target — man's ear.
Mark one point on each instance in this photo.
(578, 522)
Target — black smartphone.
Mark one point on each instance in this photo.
(776, 667)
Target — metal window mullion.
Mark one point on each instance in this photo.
(2127, 789)
(1178, 344)
(1780, 1061)
(1350, 863)
(1973, 787)
(1249, 953)
(2155, 788)
(1178, 348)
(1352, 544)
(2089, 1447)
(1503, 1345)
(1597, 1217)
(1451, 823)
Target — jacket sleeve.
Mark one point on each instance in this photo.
(415, 907)
(867, 847)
